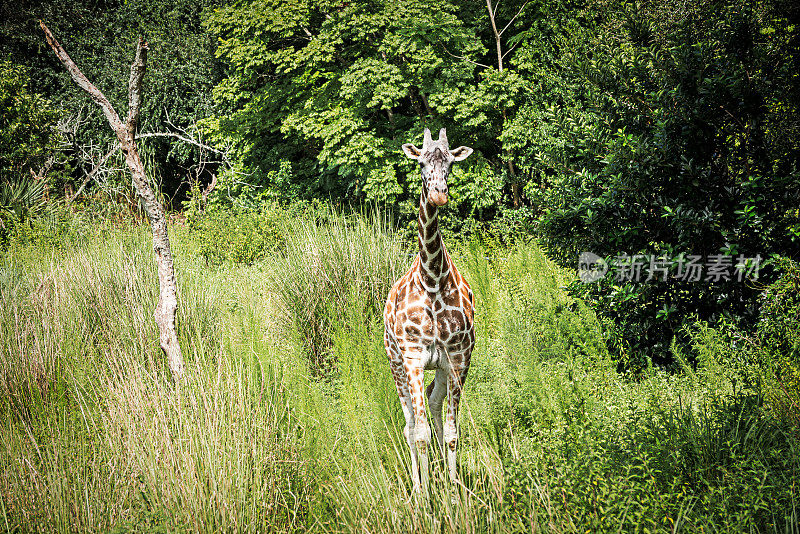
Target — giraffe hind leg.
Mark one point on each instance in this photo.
(455, 384)
(436, 392)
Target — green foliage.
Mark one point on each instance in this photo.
(54, 228)
(27, 135)
(337, 88)
(779, 331)
(101, 37)
(677, 144)
(780, 306)
(27, 124)
(19, 200)
(239, 234)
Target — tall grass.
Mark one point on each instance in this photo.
(288, 419)
(96, 436)
(330, 267)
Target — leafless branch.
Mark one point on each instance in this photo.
(510, 49)
(465, 59)
(79, 78)
(514, 17)
(94, 170)
(185, 140)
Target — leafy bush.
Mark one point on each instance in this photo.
(20, 199)
(55, 227)
(239, 234)
(27, 124)
(778, 324)
(27, 135)
(779, 331)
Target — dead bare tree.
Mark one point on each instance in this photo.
(126, 135)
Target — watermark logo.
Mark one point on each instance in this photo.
(591, 267)
(660, 268)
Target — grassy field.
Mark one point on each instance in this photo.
(288, 419)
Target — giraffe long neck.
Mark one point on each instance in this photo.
(434, 265)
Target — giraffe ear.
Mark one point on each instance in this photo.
(461, 153)
(411, 151)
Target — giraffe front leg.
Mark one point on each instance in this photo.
(410, 428)
(404, 393)
(412, 363)
(410, 432)
(455, 385)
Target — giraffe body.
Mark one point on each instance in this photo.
(429, 318)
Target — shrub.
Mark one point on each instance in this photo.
(27, 124)
(779, 331)
(779, 321)
(239, 234)
(676, 142)
(55, 227)
(20, 199)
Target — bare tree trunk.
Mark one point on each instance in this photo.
(126, 134)
(498, 44)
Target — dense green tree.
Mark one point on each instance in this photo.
(335, 88)
(684, 142)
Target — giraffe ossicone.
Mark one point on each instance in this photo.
(429, 318)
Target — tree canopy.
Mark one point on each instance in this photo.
(659, 129)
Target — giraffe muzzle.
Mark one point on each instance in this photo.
(438, 197)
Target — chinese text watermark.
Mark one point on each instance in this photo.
(660, 268)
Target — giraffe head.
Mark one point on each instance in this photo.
(435, 158)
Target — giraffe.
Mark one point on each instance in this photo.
(429, 319)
